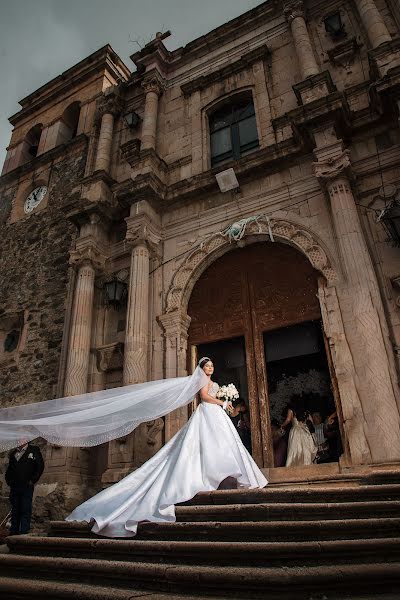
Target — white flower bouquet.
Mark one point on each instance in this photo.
(228, 392)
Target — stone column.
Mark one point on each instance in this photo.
(108, 106)
(126, 453)
(175, 325)
(373, 22)
(79, 342)
(363, 317)
(153, 88)
(294, 13)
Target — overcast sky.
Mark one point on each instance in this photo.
(41, 38)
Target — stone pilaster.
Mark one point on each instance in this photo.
(152, 86)
(125, 454)
(108, 107)
(294, 13)
(175, 325)
(373, 22)
(365, 327)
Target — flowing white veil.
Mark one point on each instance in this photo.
(97, 417)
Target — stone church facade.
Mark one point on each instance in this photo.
(244, 184)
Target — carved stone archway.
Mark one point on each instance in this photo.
(216, 245)
(175, 320)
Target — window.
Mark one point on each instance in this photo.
(32, 141)
(11, 341)
(70, 120)
(233, 131)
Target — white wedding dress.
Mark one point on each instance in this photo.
(198, 458)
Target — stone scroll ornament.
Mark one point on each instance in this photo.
(200, 257)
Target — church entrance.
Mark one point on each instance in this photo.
(255, 313)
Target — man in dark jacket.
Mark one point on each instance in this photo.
(24, 469)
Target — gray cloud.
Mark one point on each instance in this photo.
(41, 38)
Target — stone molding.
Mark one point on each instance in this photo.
(246, 60)
(395, 281)
(130, 151)
(314, 87)
(344, 54)
(293, 9)
(218, 244)
(110, 357)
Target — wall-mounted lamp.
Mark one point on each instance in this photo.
(334, 25)
(116, 292)
(132, 120)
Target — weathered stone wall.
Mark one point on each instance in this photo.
(33, 282)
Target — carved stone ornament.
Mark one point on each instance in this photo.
(88, 254)
(395, 281)
(153, 83)
(110, 357)
(217, 244)
(153, 429)
(142, 233)
(293, 9)
(332, 167)
(109, 104)
(344, 54)
(130, 151)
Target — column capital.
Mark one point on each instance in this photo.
(332, 162)
(293, 9)
(153, 82)
(141, 232)
(110, 103)
(87, 253)
(175, 324)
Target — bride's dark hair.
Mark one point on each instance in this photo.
(204, 361)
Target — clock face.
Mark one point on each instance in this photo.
(35, 198)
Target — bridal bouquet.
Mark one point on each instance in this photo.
(228, 392)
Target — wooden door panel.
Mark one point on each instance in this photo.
(261, 287)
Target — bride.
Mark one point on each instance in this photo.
(198, 458)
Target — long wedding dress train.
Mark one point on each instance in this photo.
(203, 453)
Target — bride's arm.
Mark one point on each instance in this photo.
(205, 396)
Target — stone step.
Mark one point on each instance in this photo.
(299, 494)
(19, 589)
(216, 553)
(278, 581)
(258, 512)
(272, 531)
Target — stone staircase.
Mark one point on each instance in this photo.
(311, 541)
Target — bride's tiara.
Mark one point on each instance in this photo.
(203, 361)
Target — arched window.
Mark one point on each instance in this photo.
(233, 130)
(32, 140)
(70, 119)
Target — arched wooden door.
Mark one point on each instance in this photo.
(262, 287)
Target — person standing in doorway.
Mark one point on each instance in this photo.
(24, 470)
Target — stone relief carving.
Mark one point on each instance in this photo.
(153, 83)
(293, 9)
(286, 230)
(332, 167)
(110, 357)
(110, 103)
(153, 429)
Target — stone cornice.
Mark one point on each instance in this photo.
(149, 186)
(50, 156)
(226, 33)
(242, 63)
(105, 59)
